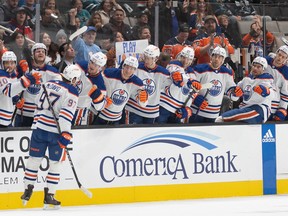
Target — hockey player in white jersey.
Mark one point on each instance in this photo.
(10, 86)
(63, 97)
(176, 99)
(279, 70)
(24, 117)
(258, 94)
(223, 83)
(91, 77)
(155, 78)
(121, 84)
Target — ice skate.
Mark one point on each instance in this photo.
(27, 194)
(50, 203)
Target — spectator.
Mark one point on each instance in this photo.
(30, 8)
(206, 42)
(67, 54)
(51, 4)
(116, 24)
(144, 33)
(111, 54)
(254, 40)
(52, 57)
(83, 14)
(96, 21)
(142, 21)
(6, 10)
(257, 98)
(86, 45)
(174, 45)
(61, 37)
(223, 83)
(107, 8)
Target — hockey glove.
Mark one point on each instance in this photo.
(194, 84)
(200, 102)
(177, 78)
(95, 94)
(280, 114)
(183, 112)
(30, 78)
(108, 101)
(24, 65)
(143, 96)
(19, 102)
(237, 92)
(64, 139)
(262, 90)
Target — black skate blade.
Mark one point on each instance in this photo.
(51, 207)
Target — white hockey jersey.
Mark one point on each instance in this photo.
(64, 99)
(154, 80)
(280, 75)
(253, 98)
(174, 96)
(119, 91)
(222, 80)
(48, 73)
(9, 87)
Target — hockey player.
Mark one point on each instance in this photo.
(64, 98)
(10, 87)
(257, 97)
(223, 83)
(174, 100)
(155, 78)
(120, 85)
(91, 75)
(279, 70)
(24, 117)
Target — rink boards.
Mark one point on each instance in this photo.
(132, 164)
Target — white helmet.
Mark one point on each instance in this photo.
(262, 61)
(131, 61)
(284, 49)
(187, 52)
(98, 58)
(219, 51)
(152, 51)
(72, 71)
(38, 46)
(9, 56)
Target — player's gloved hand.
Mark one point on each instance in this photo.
(95, 94)
(19, 102)
(24, 65)
(108, 101)
(64, 139)
(262, 90)
(143, 96)
(194, 84)
(177, 78)
(280, 114)
(237, 92)
(30, 78)
(200, 102)
(183, 112)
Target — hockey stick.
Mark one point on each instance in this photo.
(204, 86)
(11, 32)
(83, 189)
(285, 41)
(206, 93)
(15, 110)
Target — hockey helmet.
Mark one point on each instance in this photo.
(187, 52)
(262, 61)
(152, 51)
(131, 61)
(284, 49)
(98, 58)
(219, 51)
(9, 56)
(72, 71)
(38, 46)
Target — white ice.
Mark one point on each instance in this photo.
(240, 206)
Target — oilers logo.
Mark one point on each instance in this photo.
(34, 89)
(247, 92)
(185, 90)
(79, 86)
(216, 89)
(119, 97)
(150, 86)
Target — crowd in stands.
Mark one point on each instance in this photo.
(178, 75)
